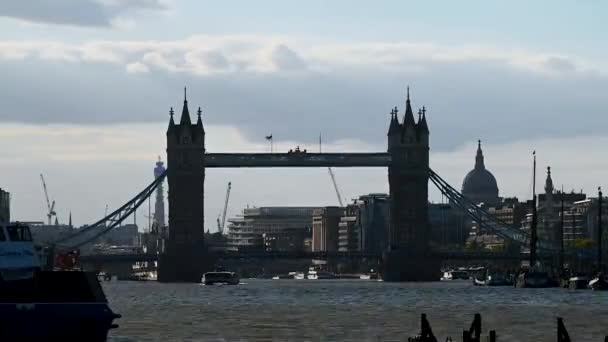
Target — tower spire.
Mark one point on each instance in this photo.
(548, 182)
(408, 119)
(185, 119)
(479, 157)
(422, 125)
(171, 121)
(199, 121)
(394, 125)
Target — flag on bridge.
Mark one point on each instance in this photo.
(269, 137)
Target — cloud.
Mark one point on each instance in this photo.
(206, 54)
(285, 58)
(137, 67)
(76, 12)
(263, 84)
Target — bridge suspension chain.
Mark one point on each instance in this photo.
(485, 219)
(110, 221)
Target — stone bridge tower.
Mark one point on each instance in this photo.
(408, 144)
(184, 257)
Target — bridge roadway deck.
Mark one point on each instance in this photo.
(301, 159)
(445, 255)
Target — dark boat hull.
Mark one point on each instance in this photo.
(55, 306)
(535, 281)
(55, 321)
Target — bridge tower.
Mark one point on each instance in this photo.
(184, 257)
(408, 256)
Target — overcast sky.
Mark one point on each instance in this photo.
(87, 84)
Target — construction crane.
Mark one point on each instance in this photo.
(222, 223)
(333, 179)
(50, 206)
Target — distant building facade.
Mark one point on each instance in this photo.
(325, 228)
(246, 231)
(124, 235)
(5, 206)
(365, 225)
(448, 225)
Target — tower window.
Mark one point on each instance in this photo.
(185, 140)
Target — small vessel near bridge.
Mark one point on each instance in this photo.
(226, 278)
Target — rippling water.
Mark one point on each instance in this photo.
(337, 310)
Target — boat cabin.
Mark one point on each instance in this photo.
(18, 257)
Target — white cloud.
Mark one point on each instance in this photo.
(206, 54)
(137, 67)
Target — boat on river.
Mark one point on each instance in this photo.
(314, 274)
(535, 279)
(578, 282)
(455, 275)
(599, 283)
(227, 278)
(41, 305)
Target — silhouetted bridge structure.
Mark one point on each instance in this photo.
(445, 255)
(296, 159)
(407, 160)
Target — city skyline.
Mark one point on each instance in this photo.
(87, 95)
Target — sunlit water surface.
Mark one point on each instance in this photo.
(340, 310)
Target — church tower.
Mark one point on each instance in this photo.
(184, 255)
(408, 176)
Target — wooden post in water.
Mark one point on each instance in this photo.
(562, 333)
(474, 332)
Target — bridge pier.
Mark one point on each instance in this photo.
(183, 264)
(401, 266)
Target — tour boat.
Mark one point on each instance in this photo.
(227, 278)
(299, 276)
(47, 305)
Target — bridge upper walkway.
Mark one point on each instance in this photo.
(296, 159)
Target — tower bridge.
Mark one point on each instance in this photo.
(407, 160)
(408, 257)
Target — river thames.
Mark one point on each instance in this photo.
(348, 310)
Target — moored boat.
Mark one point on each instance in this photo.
(535, 279)
(578, 283)
(456, 275)
(47, 305)
(599, 283)
(314, 274)
(227, 278)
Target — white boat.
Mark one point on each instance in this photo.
(456, 275)
(18, 257)
(314, 274)
(365, 277)
(299, 276)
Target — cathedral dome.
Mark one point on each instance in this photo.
(479, 185)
